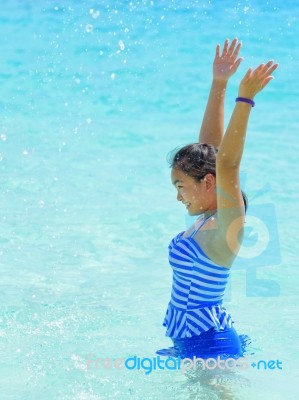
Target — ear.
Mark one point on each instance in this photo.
(210, 182)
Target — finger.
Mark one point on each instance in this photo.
(274, 67)
(263, 69)
(217, 51)
(266, 81)
(267, 70)
(258, 70)
(224, 51)
(236, 51)
(266, 66)
(236, 65)
(269, 63)
(247, 75)
(232, 47)
(260, 67)
(270, 69)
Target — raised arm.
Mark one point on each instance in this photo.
(231, 148)
(230, 206)
(224, 66)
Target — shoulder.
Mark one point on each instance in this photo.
(214, 246)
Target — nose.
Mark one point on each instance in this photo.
(179, 197)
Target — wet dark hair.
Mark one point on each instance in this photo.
(196, 160)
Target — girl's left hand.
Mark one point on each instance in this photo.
(255, 81)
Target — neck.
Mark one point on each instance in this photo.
(206, 214)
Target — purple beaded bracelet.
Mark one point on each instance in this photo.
(243, 99)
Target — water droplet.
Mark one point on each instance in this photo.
(89, 120)
(121, 45)
(113, 75)
(89, 28)
(3, 137)
(94, 13)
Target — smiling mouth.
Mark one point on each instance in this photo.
(187, 205)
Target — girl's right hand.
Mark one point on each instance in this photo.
(255, 81)
(226, 64)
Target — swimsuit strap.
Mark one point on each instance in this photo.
(200, 225)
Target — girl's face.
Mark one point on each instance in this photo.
(195, 195)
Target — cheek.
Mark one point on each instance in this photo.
(183, 194)
(196, 192)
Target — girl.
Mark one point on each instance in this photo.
(207, 181)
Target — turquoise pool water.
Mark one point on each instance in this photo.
(94, 96)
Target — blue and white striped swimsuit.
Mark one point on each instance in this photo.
(197, 290)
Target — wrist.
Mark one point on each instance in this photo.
(245, 100)
(220, 81)
(219, 86)
(246, 95)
